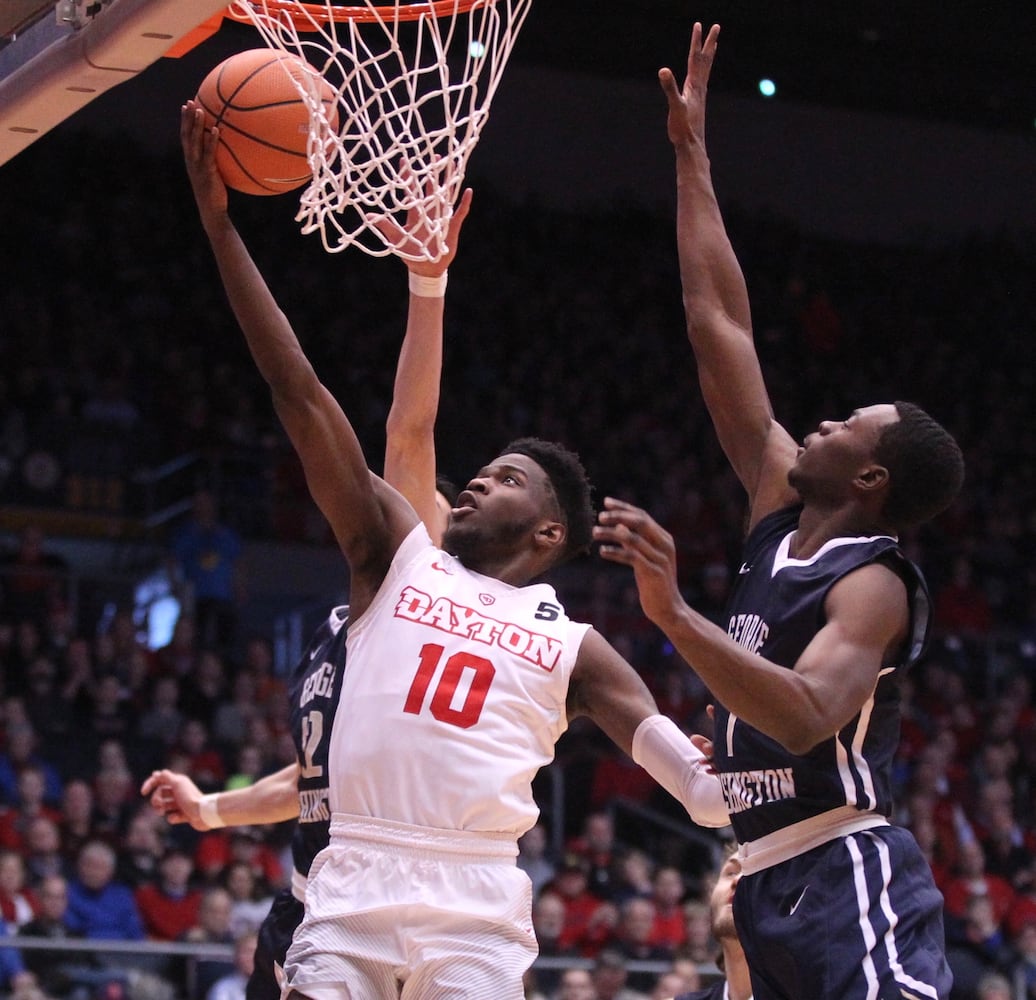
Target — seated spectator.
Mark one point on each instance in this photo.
(548, 924)
(21, 751)
(98, 906)
(114, 803)
(34, 579)
(77, 819)
(589, 921)
(169, 906)
(576, 984)
(219, 849)
(232, 986)
(667, 893)
(15, 978)
(142, 849)
(533, 860)
(17, 901)
(251, 898)
(633, 877)
(43, 854)
(14, 823)
(212, 927)
(162, 719)
(975, 945)
(971, 880)
(58, 971)
(632, 940)
(609, 976)
(598, 848)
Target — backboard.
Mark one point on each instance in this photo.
(57, 57)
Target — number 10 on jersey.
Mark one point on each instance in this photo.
(460, 691)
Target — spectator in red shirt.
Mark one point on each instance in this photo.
(667, 892)
(169, 906)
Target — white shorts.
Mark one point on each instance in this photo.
(400, 911)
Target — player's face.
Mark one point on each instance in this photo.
(838, 451)
(721, 899)
(500, 510)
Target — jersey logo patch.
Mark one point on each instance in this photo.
(487, 599)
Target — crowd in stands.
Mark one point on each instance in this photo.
(119, 353)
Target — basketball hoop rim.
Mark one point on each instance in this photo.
(303, 15)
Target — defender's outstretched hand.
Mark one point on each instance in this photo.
(687, 106)
(176, 797)
(630, 536)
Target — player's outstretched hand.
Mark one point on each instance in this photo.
(630, 536)
(687, 105)
(199, 154)
(175, 797)
(424, 217)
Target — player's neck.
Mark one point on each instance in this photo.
(818, 525)
(739, 983)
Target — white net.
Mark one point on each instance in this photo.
(414, 83)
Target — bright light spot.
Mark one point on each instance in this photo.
(767, 87)
(477, 49)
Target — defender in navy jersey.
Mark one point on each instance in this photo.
(833, 900)
(313, 694)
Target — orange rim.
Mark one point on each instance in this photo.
(304, 14)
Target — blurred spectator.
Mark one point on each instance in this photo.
(589, 920)
(532, 857)
(204, 763)
(77, 818)
(973, 881)
(42, 850)
(576, 984)
(98, 906)
(961, 607)
(22, 751)
(632, 939)
(633, 876)
(17, 902)
(32, 581)
(230, 721)
(250, 898)
(219, 849)
(597, 846)
(15, 979)
(205, 555)
(667, 893)
(162, 719)
(548, 924)
(258, 663)
(205, 689)
(178, 656)
(169, 905)
(143, 848)
(212, 927)
(114, 801)
(15, 822)
(609, 975)
(232, 986)
(975, 944)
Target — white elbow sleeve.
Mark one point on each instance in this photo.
(668, 755)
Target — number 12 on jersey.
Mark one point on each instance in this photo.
(460, 692)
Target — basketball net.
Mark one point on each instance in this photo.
(414, 82)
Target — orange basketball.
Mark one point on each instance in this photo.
(263, 121)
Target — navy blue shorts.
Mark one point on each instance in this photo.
(275, 935)
(857, 918)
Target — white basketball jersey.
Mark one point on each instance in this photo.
(453, 696)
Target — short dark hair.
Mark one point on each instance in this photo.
(925, 465)
(571, 487)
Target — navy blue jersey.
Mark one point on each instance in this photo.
(313, 693)
(776, 609)
(717, 991)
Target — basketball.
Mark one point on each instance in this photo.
(263, 120)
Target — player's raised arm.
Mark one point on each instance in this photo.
(719, 321)
(410, 430)
(369, 521)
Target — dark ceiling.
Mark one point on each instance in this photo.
(968, 62)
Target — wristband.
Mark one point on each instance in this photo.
(210, 811)
(428, 287)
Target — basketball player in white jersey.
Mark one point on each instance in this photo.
(461, 677)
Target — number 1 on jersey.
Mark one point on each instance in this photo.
(459, 668)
